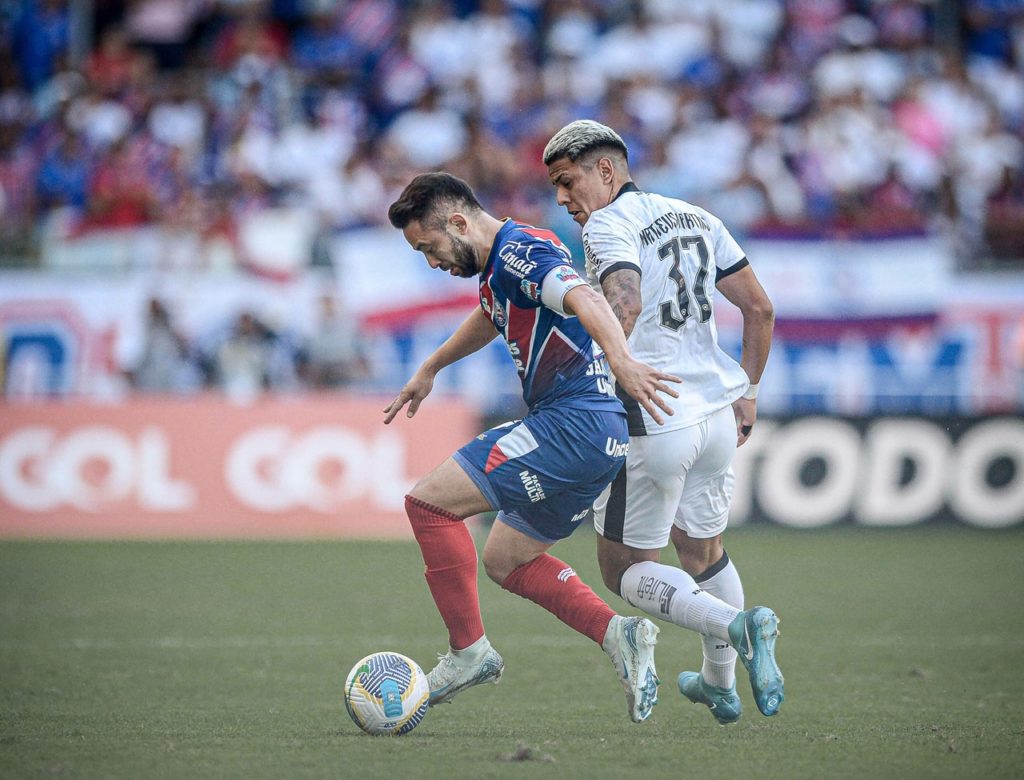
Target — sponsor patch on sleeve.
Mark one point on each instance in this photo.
(531, 289)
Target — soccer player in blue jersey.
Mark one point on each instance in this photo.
(541, 473)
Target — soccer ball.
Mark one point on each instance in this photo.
(387, 693)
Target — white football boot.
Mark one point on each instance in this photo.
(630, 644)
(457, 670)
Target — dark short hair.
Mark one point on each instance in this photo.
(429, 198)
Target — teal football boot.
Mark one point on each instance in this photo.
(724, 703)
(753, 634)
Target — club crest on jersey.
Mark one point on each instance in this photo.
(530, 289)
(498, 315)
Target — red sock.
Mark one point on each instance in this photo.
(450, 556)
(554, 585)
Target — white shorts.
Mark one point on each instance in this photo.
(682, 476)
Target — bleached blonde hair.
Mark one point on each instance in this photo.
(580, 137)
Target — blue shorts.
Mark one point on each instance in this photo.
(544, 472)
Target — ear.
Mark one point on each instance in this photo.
(459, 223)
(606, 169)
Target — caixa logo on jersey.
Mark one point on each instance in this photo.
(885, 471)
(273, 469)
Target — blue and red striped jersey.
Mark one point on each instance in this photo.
(527, 273)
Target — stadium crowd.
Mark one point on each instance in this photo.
(248, 355)
(848, 117)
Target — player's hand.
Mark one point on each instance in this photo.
(415, 390)
(645, 383)
(745, 410)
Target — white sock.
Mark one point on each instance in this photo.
(721, 580)
(671, 594)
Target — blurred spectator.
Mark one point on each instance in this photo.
(17, 182)
(113, 63)
(120, 194)
(165, 365)
(989, 27)
(249, 43)
(163, 27)
(891, 207)
(437, 41)
(242, 360)
(1004, 216)
(324, 45)
(63, 178)
(335, 355)
(15, 102)
(40, 36)
(102, 120)
(254, 358)
(859, 65)
(349, 194)
(428, 134)
(778, 89)
(179, 120)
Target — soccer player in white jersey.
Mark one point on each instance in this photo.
(658, 261)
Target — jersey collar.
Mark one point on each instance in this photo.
(627, 187)
(499, 239)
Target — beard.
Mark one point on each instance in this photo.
(463, 257)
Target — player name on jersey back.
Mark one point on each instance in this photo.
(673, 220)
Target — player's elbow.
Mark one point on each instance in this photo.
(760, 311)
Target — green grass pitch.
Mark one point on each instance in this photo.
(903, 653)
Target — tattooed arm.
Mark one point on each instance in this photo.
(638, 379)
(622, 290)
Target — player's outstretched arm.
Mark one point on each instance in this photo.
(744, 291)
(475, 332)
(640, 380)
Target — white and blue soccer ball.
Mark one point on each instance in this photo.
(387, 693)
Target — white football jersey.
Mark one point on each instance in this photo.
(680, 251)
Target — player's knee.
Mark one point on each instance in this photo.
(421, 490)
(696, 555)
(431, 490)
(611, 573)
(497, 566)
